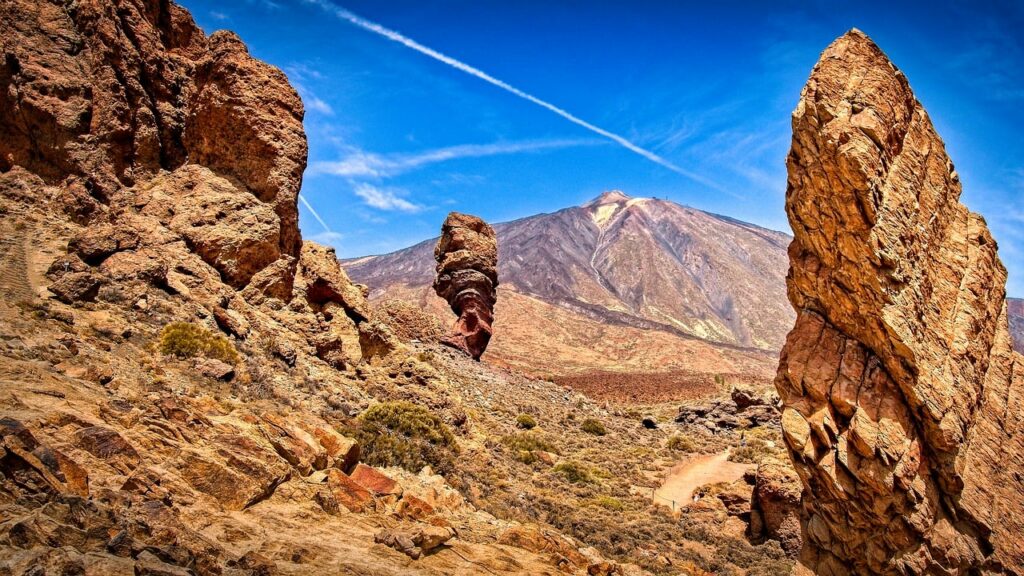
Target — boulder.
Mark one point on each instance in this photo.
(414, 540)
(323, 280)
(375, 481)
(775, 505)
(238, 471)
(903, 400)
(467, 278)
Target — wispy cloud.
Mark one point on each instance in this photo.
(301, 76)
(359, 163)
(385, 198)
(394, 36)
(219, 15)
(328, 237)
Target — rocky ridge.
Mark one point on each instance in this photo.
(902, 396)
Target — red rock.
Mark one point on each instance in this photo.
(467, 277)
(375, 481)
(343, 492)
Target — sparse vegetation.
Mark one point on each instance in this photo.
(406, 435)
(681, 443)
(593, 426)
(526, 422)
(751, 453)
(525, 445)
(574, 472)
(607, 502)
(187, 340)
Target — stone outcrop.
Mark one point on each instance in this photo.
(467, 277)
(903, 401)
(100, 97)
(775, 505)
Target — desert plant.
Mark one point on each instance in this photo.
(751, 453)
(593, 426)
(406, 435)
(681, 443)
(186, 340)
(574, 472)
(607, 502)
(525, 445)
(526, 422)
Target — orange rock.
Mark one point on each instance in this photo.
(375, 481)
(903, 399)
(343, 492)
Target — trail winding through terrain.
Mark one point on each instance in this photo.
(686, 477)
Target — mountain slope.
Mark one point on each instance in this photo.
(1015, 310)
(619, 284)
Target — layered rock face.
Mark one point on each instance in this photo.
(101, 96)
(903, 401)
(467, 277)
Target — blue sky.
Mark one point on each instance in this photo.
(398, 138)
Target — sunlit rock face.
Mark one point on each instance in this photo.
(467, 277)
(903, 400)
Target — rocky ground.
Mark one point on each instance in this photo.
(188, 387)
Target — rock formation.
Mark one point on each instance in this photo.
(903, 401)
(1015, 309)
(100, 97)
(467, 277)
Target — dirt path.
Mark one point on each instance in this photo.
(685, 477)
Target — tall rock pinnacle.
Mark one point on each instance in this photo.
(467, 277)
(904, 403)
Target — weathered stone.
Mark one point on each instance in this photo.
(239, 473)
(776, 504)
(903, 399)
(106, 444)
(375, 481)
(343, 492)
(467, 277)
(323, 280)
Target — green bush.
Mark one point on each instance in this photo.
(574, 472)
(593, 426)
(186, 340)
(681, 443)
(526, 422)
(525, 445)
(406, 435)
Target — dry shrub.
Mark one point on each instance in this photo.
(593, 426)
(574, 472)
(526, 422)
(406, 435)
(186, 340)
(681, 443)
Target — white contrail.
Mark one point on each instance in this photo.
(313, 212)
(410, 43)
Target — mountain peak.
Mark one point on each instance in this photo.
(609, 197)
